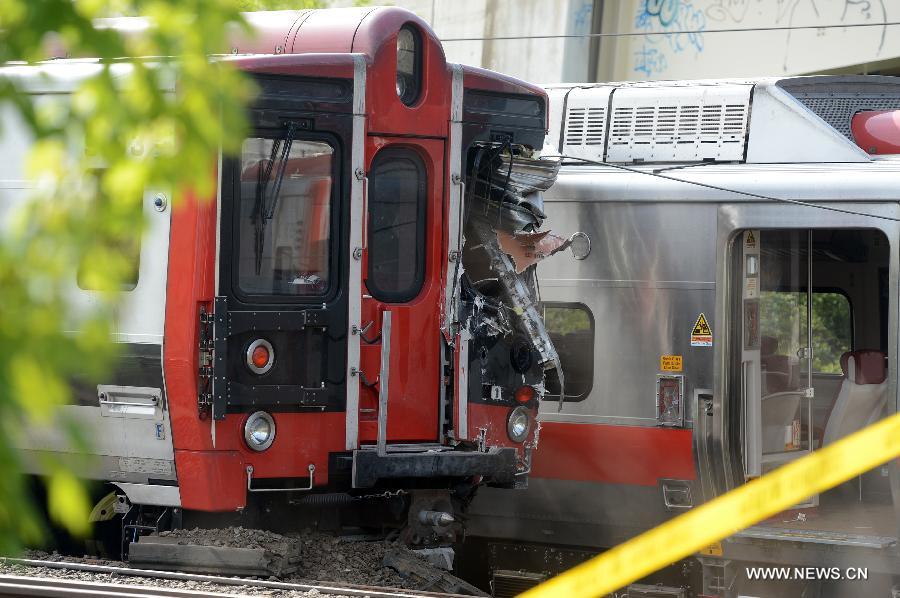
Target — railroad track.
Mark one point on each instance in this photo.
(21, 585)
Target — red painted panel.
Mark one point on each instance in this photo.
(415, 354)
(190, 283)
(302, 65)
(613, 454)
(377, 38)
(211, 480)
(480, 78)
(493, 417)
(300, 439)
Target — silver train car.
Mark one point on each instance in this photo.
(737, 310)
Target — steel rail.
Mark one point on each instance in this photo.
(61, 587)
(352, 590)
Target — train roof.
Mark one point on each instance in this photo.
(873, 181)
(282, 41)
(766, 120)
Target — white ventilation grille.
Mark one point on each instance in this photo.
(800, 120)
(657, 123)
(679, 124)
(595, 134)
(584, 134)
(575, 125)
(585, 126)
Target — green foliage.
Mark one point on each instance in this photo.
(96, 155)
(252, 5)
(565, 320)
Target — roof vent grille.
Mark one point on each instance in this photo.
(575, 125)
(679, 124)
(596, 127)
(585, 126)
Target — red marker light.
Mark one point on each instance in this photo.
(260, 356)
(524, 394)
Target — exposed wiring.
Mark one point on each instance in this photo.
(673, 32)
(727, 190)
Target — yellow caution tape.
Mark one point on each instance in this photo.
(723, 516)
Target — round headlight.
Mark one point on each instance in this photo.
(260, 356)
(259, 431)
(518, 424)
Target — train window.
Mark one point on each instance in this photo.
(832, 326)
(571, 327)
(284, 218)
(409, 65)
(129, 268)
(396, 228)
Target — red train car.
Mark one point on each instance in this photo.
(340, 316)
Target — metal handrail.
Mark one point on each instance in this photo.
(312, 473)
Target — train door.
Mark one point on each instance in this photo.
(809, 361)
(281, 306)
(776, 348)
(404, 194)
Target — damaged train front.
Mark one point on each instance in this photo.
(504, 357)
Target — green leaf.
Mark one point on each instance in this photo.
(68, 503)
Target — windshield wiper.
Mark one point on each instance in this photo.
(262, 213)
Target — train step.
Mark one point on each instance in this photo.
(817, 537)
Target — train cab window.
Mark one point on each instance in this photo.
(571, 327)
(284, 218)
(396, 230)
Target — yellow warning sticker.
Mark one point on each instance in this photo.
(750, 240)
(670, 363)
(714, 549)
(701, 335)
(731, 512)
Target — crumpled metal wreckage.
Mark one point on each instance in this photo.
(504, 212)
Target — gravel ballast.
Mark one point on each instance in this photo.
(323, 559)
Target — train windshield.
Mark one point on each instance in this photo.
(284, 217)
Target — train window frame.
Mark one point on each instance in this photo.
(132, 247)
(576, 305)
(378, 292)
(233, 163)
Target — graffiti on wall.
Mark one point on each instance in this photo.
(681, 24)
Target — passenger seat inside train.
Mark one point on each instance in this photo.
(861, 397)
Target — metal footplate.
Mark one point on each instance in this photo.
(497, 465)
(817, 537)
